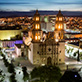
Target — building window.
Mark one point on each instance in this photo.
(37, 26)
(37, 18)
(37, 52)
(59, 59)
(36, 37)
(60, 19)
(49, 49)
(39, 37)
(60, 26)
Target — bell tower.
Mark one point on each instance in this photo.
(59, 26)
(36, 32)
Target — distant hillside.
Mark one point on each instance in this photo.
(31, 13)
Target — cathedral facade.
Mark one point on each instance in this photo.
(49, 48)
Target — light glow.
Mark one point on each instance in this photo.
(37, 26)
(60, 19)
(56, 40)
(59, 27)
(39, 37)
(37, 18)
(36, 37)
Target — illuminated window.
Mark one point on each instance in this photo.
(39, 37)
(37, 26)
(59, 27)
(37, 18)
(36, 37)
(60, 19)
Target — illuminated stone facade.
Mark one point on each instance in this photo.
(59, 26)
(48, 51)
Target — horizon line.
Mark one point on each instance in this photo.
(38, 10)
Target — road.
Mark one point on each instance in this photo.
(70, 64)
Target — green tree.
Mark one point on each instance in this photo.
(25, 74)
(74, 54)
(1, 76)
(12, 78)
(11, 68)
(5, 61)
(47, 73)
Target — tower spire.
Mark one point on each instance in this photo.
(59, 26)
(36, 32)
(36, 13)
(60, 14)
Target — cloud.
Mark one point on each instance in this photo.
(66, 3)
(13, 3)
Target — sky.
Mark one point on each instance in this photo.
(26, 5)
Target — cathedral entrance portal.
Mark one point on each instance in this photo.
(49, 59)
(22, 54)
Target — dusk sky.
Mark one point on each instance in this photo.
(26, 5)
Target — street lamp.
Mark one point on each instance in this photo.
(67, 65)
(29, 75)
(78, 56)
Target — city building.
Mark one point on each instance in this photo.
(10, 43)
(49, 49)
(8, 34)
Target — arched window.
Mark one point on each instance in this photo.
(37, 26)
(37, 36)
(60, 18)
(37, 18)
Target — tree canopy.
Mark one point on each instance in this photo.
(47, 73)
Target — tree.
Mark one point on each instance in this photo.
(1, 76)
(74, 54)
(12, 78)
(47, 73)
(0, 48)
(11, 68)
(25, 74)
(5, 61)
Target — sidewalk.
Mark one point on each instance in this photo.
(4, 69)
(18, 76)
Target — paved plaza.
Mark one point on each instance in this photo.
(23, 61)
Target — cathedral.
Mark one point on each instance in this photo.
(46, 48)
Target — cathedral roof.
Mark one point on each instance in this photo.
(60, 14)
(36, 13)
